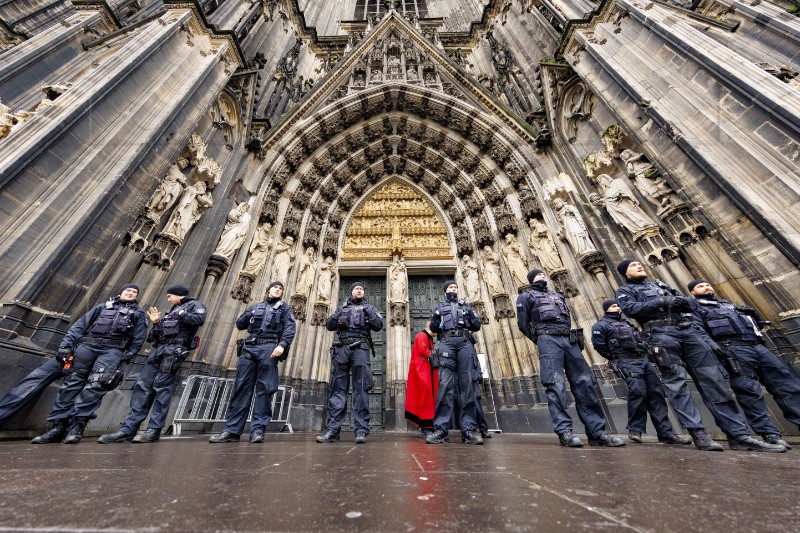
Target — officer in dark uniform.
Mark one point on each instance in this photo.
(173, 336)
(101, 340)
(271, 328)
(30, 387)
(620, 342)
(352, 323)
(736, 328)
(677, 346)
(543, 317)
(453, 320)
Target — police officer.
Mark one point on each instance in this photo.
(352, 323)
(173, 336)
(454, 320)
(616, 339)
(101, 340)
(678, 346)
(270, 327)
(30, 387)
(736, 329)
(543, 317)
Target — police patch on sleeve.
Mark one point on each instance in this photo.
(201, 311)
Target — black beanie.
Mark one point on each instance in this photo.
(356, 284)
(275, 284)
(691, 285)
(533, 273)
(130, 286)
(448, 283)
(178, 290)
(622, 268)
(607, 304)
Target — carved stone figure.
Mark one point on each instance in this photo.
(573, 229)
(649, 181)
(491, 272)
(620, 203)
(515, 260)
(326, 274)
(235, 231)
(169, 190)
(193, 203)
(284, 258)
(472, 282)
(398, 281)
(611, 138)
(543, 246)
(259, 248)
(305, 273)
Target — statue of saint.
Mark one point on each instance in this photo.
(284, 258)
(305, 273)
(398, 281)
(649, 181)
(169, 190)
(491, 272)
(326, 274)
(620, 203)
(259, 249)
(543, 246)
(472, 282)
(193, 203)
(235, 231)
(573, 228)
(515, 260)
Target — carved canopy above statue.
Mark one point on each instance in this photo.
(396, 219)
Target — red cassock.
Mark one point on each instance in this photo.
(422, 384)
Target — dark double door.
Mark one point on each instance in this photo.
(424, 292)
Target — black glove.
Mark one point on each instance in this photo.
(127, 357)
(62, 354)
(677, 302)
(719, 351)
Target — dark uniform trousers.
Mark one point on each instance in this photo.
(347, 358)
(687, 350)
(154, 388)
(557, 355)
(81, 394)
(455, 378)
(256, 371)
(29, 388)
(645, 394)
(759, 363)
(480, 418)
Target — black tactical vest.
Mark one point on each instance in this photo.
(171, 325)
(113, 321)
(352, 317)
(266, 318)
(723, 321)
(454, 315)
(550, 307)
(622, 337)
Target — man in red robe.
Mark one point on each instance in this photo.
(423, 383)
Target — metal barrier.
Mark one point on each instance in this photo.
(206, 399)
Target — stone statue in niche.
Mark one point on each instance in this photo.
(543, 246)
(618, 199)
(515, 260)
(472, 282)
(169, 190)
(491, 272)
(649, 181)
(573, 229)
(327, 272)
(235, 231)
(305, 273)
(398, 281)
(611, 138)
(259, 249)
(193, 203)
(284, 258)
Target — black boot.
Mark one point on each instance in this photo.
(471, 438)
(703, 442)
(606, 440)
(75, 432)
(361, 438)
(672, 438)
(776, 439)
(750, 443)
(151, 435)
(328, 436)
(223, 437)
(54, 434)
(117, 436)
(486, 434)
(568, 439)
(436, 437)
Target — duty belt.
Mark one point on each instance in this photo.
(635, 355)
(458, 332)
(739, 342)
(178, 340)
(553, 331)
(647, 326)
(262, 340)
(98, 341)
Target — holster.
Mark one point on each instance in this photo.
(446, 361)
(239, 347)
(618, 371)
(172, 362)
(576, 336)
(660, 357)
(111, 378)
(476, 363)
(434, 359)
(730, 362)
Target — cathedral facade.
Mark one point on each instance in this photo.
(223, 144)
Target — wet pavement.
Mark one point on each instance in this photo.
(395, 482)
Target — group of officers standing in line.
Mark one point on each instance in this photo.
(717, 343)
